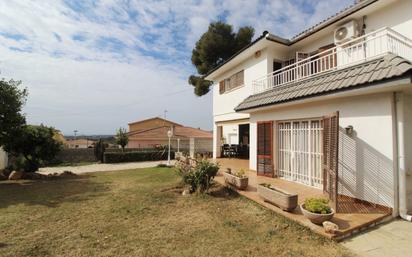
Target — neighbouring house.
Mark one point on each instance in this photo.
(152, 132)
(330, 108)
(79, 143)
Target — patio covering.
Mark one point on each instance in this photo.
(370, 73)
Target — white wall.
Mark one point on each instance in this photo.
(366, 158)
(3, 159)
(224, 104)
(231, 133)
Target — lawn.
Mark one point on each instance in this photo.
(139, 213)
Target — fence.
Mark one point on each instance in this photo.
(76, 155)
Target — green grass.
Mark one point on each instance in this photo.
(140, 213)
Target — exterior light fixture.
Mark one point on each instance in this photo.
(349, 130)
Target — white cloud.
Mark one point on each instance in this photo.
(94, 66)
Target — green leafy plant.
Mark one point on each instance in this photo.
(241, 173)
(318, 205)
(122, 138)
(199, 177)
(266, 185)
(35, 146)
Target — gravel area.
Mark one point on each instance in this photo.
(101, 167)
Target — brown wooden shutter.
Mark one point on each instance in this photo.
(330, 157)
(265, 148)
(221, 87)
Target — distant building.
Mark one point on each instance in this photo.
(80, 143)
(152, 132)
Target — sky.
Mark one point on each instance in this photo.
(97, 65)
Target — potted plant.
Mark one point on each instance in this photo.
(237, 179)
(284, 200)
(317, 210)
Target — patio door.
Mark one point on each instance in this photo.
(330, 160)
(265, 148)
(299, 151)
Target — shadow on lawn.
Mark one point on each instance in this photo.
(50, 193)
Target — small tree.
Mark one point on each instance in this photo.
(122, 138)
(34, 146)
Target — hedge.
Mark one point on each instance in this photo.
(141, 156)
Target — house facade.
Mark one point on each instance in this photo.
(153, 132)
(329, 108)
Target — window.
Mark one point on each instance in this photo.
(232, 82)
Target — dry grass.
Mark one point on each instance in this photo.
(139, 213)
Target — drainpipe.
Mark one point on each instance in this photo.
(400, 160)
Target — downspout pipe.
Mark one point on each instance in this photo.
(400, 160)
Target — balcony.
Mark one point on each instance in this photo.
(358, 50)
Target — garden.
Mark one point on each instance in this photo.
(142, 212)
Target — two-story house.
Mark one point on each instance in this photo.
(330, 108)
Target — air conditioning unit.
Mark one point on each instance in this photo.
(346, 32)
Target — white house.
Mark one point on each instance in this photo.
(330, 108)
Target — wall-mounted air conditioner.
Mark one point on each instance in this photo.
(346, 32)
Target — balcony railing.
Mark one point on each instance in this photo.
(358, 50)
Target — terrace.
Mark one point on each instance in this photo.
(361, 49)
(353, 217)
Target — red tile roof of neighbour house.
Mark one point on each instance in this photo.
(179, 131)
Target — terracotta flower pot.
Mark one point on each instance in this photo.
(239, 183)
(316, 218)
(282, 199)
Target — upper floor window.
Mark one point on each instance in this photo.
(234, 81)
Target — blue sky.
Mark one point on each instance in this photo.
(97, 65)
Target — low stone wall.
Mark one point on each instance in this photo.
(76, 155)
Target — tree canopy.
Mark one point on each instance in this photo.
(35, 146)
(214, 47)
(12, 99)
(122, 138)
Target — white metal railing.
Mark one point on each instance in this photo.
(361, 49)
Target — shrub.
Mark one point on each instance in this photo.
(99, 149)
(318, 205)
(35, 146)
(116, 157)
(198, 177)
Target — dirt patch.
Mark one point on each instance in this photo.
(38, 176)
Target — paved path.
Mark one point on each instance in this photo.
(392, 239)
(101, 167)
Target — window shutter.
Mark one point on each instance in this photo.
(222, 87)
(330, 157)
(265, 147)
